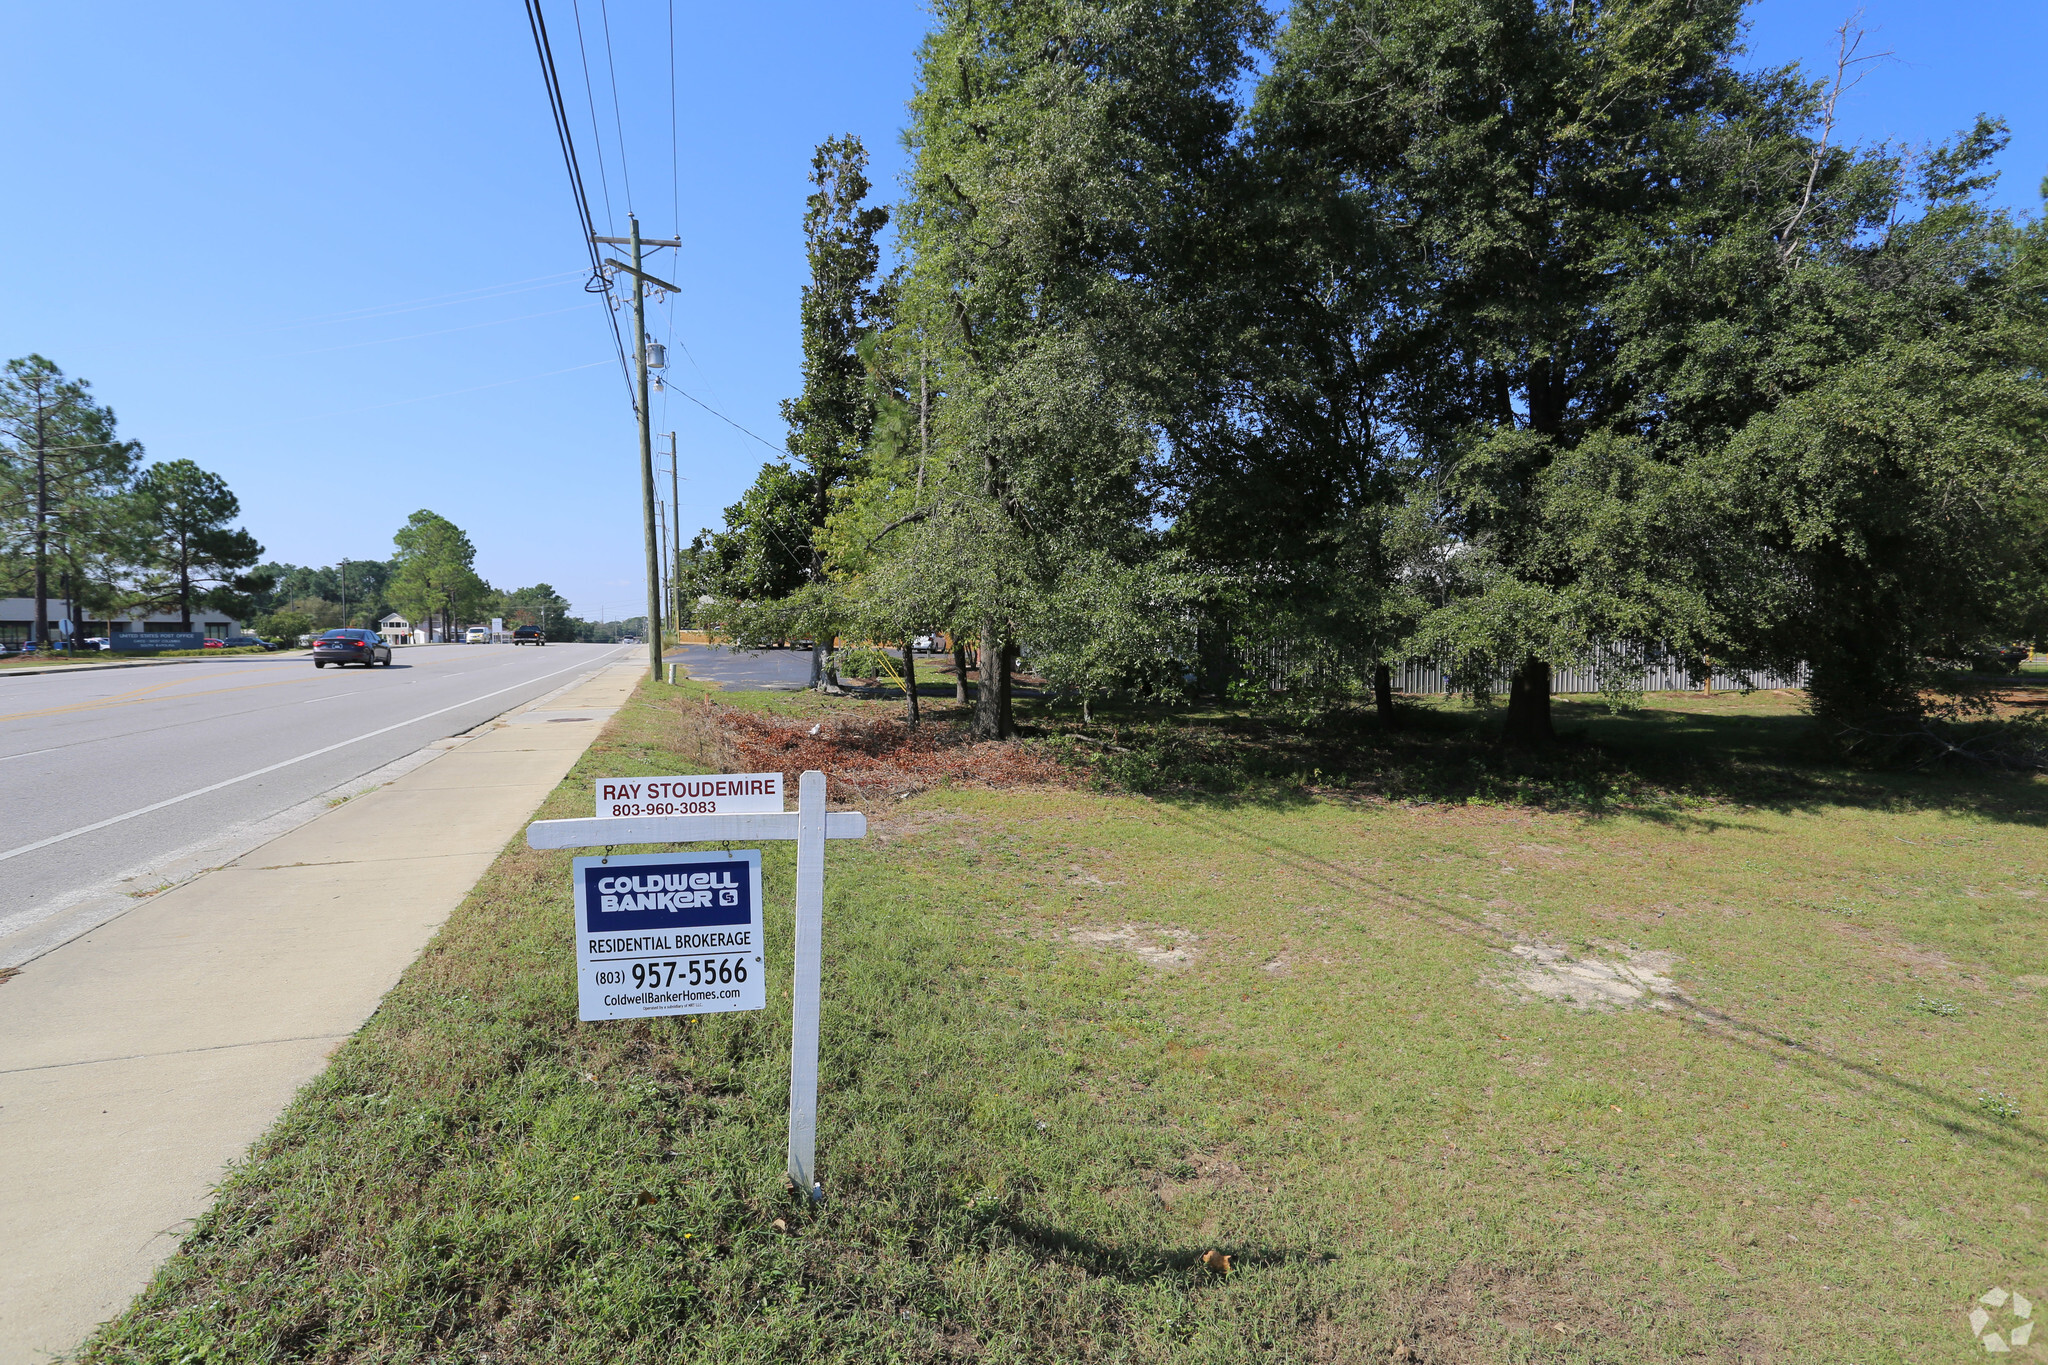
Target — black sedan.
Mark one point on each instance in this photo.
(529, 635)
(338, 647)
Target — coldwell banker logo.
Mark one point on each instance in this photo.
(665, 896)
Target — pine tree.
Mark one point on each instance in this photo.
(64, 480)
(195, 557)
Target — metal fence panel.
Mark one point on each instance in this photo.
(1280, 665)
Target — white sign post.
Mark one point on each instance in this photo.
(810, 825)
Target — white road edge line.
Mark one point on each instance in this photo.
(259, 772)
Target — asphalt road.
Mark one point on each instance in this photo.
(747, 670)
(104, 775)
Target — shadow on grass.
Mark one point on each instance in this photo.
(1672, 762)
(1145, 1264)
(2024, 1144)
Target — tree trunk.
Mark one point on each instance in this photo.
(184, 589)
(992, 718)
(1528, 723)
(40, 632)
(1383, 694)
(817, 666)
(910, 680)
(959, 670)
(832, 663)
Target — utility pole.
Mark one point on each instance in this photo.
(641, 279)
(675, 532)
(661, 538)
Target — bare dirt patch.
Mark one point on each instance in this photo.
(1549, 971)
(1212, 1173)
(1486, 1312)
(1167, 949)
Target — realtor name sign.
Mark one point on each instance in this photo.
(621, 798)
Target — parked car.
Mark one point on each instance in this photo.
(529, 635)
(247, 642)
(212, 643)
(476, 635)
(2006, 660)
(338, 647)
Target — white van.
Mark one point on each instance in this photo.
(476, 635)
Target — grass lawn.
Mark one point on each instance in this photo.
(1737, 1061)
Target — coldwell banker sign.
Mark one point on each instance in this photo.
(669, 933)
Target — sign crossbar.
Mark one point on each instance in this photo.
(686, 829)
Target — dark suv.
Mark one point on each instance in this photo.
(529, 635)
(338, 647)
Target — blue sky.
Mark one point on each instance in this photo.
(328, 250)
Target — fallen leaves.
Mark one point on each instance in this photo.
(862, 758)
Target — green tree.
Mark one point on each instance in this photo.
(1531, 171)
(284, 626)
(539, 605)
(434, 576)
(1064, 158)
(1894, 481)
(64, 483)
(830, 420)
(195, 557)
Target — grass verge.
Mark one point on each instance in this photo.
(1713, 1079)
(86, 659)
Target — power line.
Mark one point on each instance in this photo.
(598, 283)
(467, 327)
(675, 180)
(343, 412)
(483, 293)
(675, 199)
(723, 418)
(596, 138)
(604, 15)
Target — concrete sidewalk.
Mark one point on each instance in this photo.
(139, 1060)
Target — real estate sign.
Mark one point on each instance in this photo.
(669, 933)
